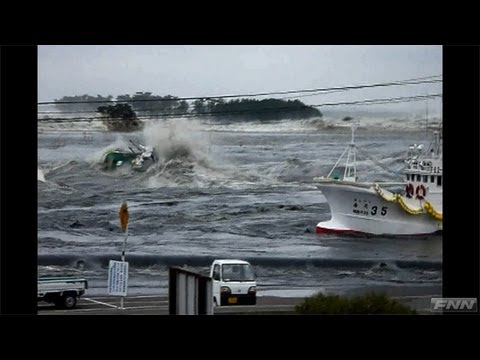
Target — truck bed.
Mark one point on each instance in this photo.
(48, 284)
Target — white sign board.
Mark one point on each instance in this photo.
(117, 278)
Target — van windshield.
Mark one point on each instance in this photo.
(237, 272)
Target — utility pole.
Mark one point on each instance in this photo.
(123, 214)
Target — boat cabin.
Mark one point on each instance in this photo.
(424, 170)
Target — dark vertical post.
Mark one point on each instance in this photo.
(18, 207)
(461, 179)
(172, 291)
(202, 295)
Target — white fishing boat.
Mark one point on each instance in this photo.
(373, 208)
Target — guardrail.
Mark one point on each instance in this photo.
(189, 293)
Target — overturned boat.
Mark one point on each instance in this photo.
(139, 158)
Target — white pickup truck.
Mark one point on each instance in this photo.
(62, 291)
(233, 283)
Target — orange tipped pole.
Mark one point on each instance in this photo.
(123, 214)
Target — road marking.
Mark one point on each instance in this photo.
(146, 307)
(97, 309)
(101, 303)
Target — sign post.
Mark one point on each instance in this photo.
(123, 214)
(117, 278)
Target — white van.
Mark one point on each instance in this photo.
(234, 283)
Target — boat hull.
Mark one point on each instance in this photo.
(360, 209)
(115, 159)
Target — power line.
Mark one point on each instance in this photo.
(294, 109)
(382, 101)
(415, 81)
(156, 109)
(174, 115)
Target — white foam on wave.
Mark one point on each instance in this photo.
(40, 175)
(326, 123)
(177, 135)
(277, 126)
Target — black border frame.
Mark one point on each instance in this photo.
(18, 241)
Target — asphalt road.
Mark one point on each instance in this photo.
(158, 305)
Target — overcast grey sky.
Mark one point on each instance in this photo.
(184, 70)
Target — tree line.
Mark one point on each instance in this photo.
(124, 115)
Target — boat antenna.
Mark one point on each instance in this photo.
(426, 117)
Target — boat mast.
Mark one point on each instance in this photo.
(426, 117)
(351, 165)
(436, 144)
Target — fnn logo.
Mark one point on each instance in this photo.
(453, 305)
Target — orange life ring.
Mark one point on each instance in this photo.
(409, 190)
(420, 192)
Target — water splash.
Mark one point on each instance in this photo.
(40, 176)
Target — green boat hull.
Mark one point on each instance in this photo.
(116, 159)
